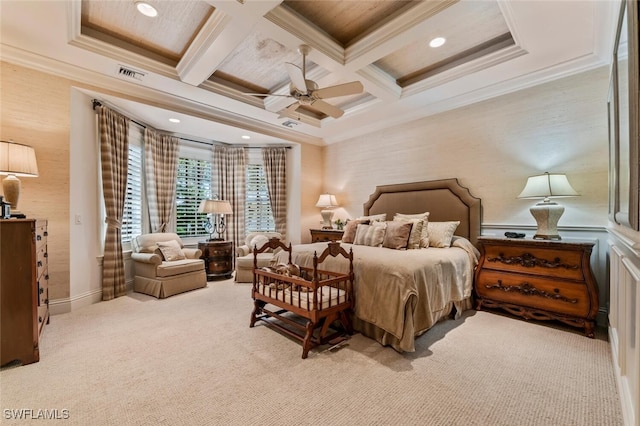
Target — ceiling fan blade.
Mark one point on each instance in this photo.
(288, 111)
(352, 88)
(297, 77)
(327, 108)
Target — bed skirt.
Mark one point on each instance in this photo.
(407, 342)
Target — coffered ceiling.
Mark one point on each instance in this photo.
(221, 63)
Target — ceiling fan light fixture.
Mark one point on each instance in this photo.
(437, 42)
(146, 9)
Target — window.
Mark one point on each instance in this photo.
(258, 215)
(132, 215)
(193, 185)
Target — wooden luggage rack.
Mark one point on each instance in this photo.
(316, 297)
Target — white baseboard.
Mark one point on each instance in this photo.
(66, 305)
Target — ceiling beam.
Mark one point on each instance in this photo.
(226, 28)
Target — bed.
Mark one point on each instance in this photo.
(400, 294)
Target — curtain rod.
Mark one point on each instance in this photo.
(96, 103)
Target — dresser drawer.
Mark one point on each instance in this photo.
(217, 252)
(535, 261)
(563, 297)
(220, 265)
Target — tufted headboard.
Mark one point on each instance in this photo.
(444, 199)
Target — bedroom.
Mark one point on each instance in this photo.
(501, 135)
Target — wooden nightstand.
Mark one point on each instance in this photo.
(322, 235)
(538, 279)
(218, 258)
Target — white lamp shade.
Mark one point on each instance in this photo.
(17, 159)
(327, 201)
(215, 206)
(548, 185)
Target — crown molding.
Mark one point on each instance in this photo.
(129, 90)
(467, 68)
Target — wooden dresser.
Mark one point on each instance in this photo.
(325, 235)
(24, 289)
(218, 258)
(538, 279)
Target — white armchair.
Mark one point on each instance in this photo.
(164, 267)
(244, 255)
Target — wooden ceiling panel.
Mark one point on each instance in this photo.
(347, 20)
(168, 35)
(465, 25)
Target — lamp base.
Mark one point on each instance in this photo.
(11, 190)
(327, 216)
(547, 214)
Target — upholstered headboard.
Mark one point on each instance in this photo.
(444, 199)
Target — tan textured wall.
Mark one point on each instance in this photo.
(34, 109)
(312, 187)
(492, 147)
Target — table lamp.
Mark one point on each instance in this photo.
(217, 208)
(16, 160)
(547, 213)
(327, 202)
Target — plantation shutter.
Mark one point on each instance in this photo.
(258, 215)
(193, 185)
(132, 215)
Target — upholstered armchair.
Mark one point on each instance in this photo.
(164, 266)
(244, 255)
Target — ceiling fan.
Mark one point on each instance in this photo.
(307, 93)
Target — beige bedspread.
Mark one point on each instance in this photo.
(402, 292)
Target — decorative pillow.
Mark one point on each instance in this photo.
(440, 233)
(171, 250)
(259, 241)
(374, 218)
(370, 235)
(416, 232)
(349, 235)
(424, 236)
(397, 235)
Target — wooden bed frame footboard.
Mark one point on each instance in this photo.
(315, 297)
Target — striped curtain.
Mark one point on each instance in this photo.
(114, 153)
(275, 167)
(229, 179)
(161, 168)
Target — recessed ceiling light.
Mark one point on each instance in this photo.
(174, 120)
(437, 42)
(246, 137)
(146, 9)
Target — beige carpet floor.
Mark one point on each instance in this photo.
(193, 360)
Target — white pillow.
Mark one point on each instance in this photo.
(370, 235)
(417, 232)
(374, 218)
(441, 233)
(258, 241)
(171, 250)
